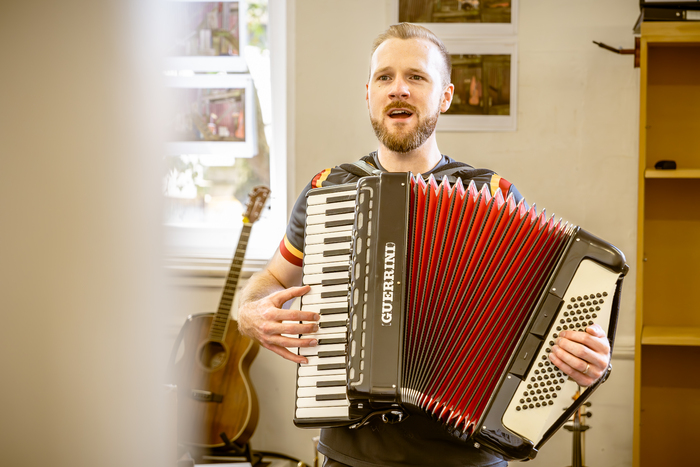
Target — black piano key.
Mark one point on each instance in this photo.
(327, 341)
(339, 223)
(339, 293)
(341, 198)
(333, 311)
(345, 251)
(336, 211)
(332, 366)
(329, 384)
(331, 353)
(330, 269)
(335, 281)
(329, 240)
(331, 397)
(332, 324)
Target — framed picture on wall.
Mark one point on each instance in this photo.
(485, 80)
(212, 115)
(459, 18)
(205, 35)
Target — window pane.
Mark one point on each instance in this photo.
(204, 29)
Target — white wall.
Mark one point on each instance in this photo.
(574, 152)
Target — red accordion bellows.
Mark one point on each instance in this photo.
(475, 268)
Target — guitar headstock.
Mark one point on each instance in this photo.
(256, 202)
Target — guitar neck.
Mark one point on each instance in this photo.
(220, 322)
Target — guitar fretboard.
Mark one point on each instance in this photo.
(221, 319)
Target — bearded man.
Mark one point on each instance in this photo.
(409, 86)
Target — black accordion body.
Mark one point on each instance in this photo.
(446, 300)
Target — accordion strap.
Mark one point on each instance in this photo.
(453, 169)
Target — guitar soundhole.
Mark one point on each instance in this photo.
(212, 355)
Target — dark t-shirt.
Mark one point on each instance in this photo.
(418, 440)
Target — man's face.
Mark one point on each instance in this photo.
(405, 93)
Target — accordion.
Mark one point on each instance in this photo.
(445, 300)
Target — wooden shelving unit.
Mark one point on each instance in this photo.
(667, 349)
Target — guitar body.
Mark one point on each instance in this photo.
(214, 391)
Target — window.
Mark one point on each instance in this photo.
(222, 140)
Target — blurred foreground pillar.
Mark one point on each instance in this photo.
(81, 360)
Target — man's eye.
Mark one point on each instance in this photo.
(416, 77)
(383, 78)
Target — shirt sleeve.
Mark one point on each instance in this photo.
(292, 245)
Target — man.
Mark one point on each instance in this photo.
(409, 86)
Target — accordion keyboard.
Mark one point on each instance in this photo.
(321, 384)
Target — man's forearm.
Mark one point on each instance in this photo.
(260, 285)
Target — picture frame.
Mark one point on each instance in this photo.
(220, 137)
(467, 18)
(204, 47)
(485, 78)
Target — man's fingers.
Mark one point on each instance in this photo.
(273, 329)
(284, 353)
(594, 339)
(283, 296)
(279, 314)
(580, 378)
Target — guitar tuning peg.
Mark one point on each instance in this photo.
(589, 414)
(587, 404)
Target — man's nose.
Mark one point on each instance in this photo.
(399, 89)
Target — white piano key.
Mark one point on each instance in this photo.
(317, 335)
(322, 208)
(323, 198)
(339, 307)
(322, 332)
(322, 218)
(312, 402)
(323, 412)
(311, 279)
(321, 348)
(333, 318)
(314, 360)
(319, 289)
(312, 370)
(318, 268)
(320, 248)
(312, 391)
(320, 259)
(321, 237)
(305, 381)
(310, 299)
(321, 228)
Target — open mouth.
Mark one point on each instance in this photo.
(399, 113)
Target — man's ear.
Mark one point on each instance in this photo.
(447, 96)
(367, 94)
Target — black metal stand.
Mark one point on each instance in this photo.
(231, 451)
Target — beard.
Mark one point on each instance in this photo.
(403, 141)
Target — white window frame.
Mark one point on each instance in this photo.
(210, 244)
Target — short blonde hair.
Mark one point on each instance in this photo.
(413, 31)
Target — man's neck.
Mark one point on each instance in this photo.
(420, 160)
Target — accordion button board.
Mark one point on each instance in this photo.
(545, 391)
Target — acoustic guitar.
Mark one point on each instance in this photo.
(216, 401)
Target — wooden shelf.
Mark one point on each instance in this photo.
(667, 335)
(677, 173)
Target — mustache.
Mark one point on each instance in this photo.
(400, 105)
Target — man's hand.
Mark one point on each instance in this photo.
(584, 356)
(263, 320)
